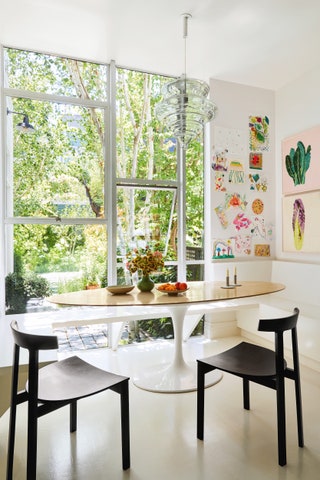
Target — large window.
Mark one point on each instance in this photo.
(98, 176)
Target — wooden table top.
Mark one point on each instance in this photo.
(198, 292)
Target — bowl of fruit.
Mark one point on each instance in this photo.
(173, 288)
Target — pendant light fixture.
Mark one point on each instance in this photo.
(185, 108)
(24, 126)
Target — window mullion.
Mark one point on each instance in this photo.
(110, 176)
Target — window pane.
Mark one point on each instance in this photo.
(42, 73)
(195, 200)
(70, 257)
(146, 217)
(58, 170)
(143, 151)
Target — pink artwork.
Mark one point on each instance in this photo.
(301, 162)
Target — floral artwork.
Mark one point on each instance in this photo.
(255, 161)
(259, 133)
(236, 200)
(300, 162)
(232, 211)
(241, 221)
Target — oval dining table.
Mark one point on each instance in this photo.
(177, 375)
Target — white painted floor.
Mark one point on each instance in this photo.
(238, 445)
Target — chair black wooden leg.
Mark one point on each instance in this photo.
(297, 383)
(200, 401)
(13, 413)
(73, 416)
(246, 394)
(32, 416)
(32, 441)
(125, 425)
(281, 420)
(299, 412)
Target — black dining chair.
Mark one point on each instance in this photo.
(263, 366)
(55, 385)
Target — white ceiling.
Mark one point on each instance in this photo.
(261, 43)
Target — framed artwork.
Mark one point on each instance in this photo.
(301, 224)
(301, 162)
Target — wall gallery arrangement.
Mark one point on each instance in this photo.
(301, 191)
(240, 191)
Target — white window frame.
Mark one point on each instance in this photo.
(110, 186)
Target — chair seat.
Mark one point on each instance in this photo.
(73, 378)
(245, 359)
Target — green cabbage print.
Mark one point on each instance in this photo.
(298, 162)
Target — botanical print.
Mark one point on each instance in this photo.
(301, 162)
(298, 223)
(298, 162)
(259, 133)
(301, 226)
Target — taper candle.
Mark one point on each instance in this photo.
(227, 278)
(235, 276)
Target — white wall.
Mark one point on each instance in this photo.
(235, 104)
(297, 109)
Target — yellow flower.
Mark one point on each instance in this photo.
(144, 260)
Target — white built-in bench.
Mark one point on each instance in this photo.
(302, 283)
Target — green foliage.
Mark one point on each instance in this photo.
(59, 172)
(298, 162)
(20, 288)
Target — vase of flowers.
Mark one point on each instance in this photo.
(146, 261)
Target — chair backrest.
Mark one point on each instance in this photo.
(31, 341)
(279, 325)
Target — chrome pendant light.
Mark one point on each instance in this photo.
(185, 108)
